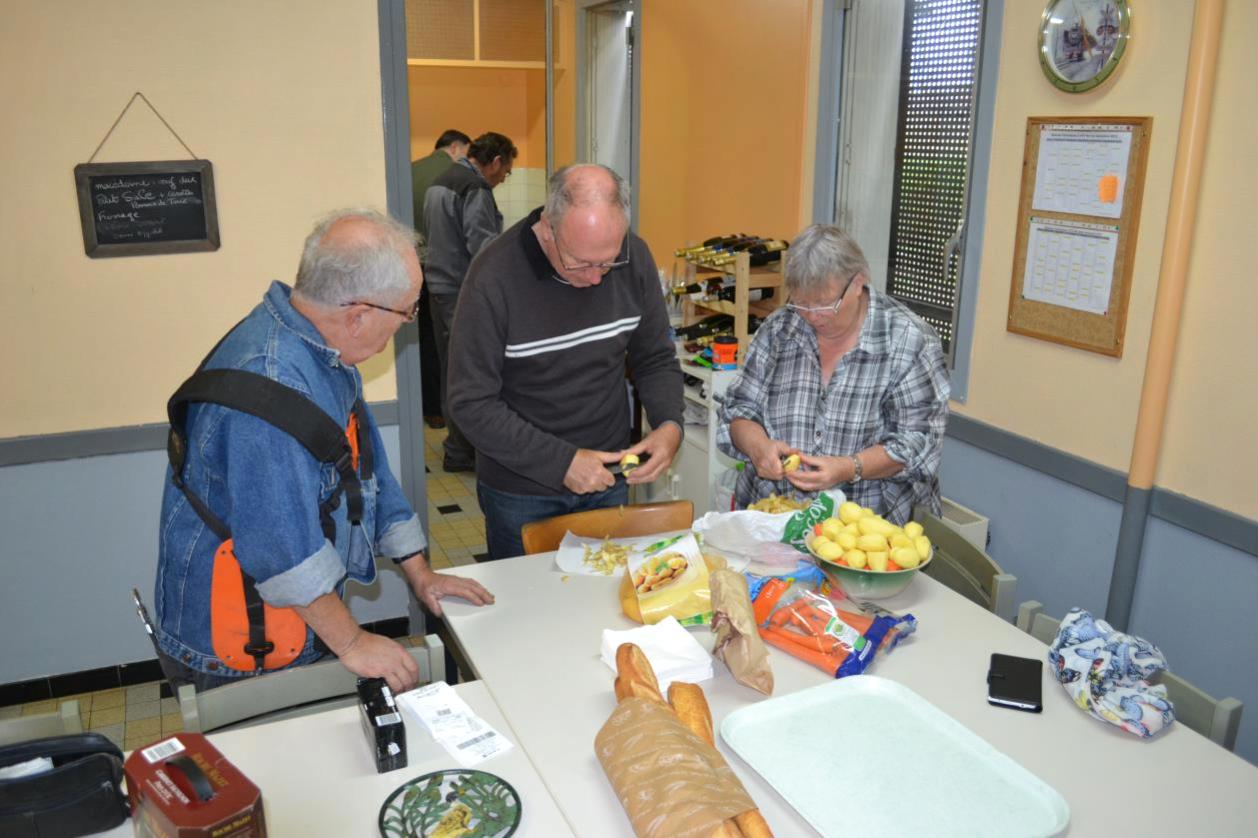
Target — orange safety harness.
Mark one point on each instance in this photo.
(247, 634)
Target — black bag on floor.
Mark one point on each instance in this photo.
(80, 794)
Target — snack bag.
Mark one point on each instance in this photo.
(800, 525)
(668, 579)
(810, 627)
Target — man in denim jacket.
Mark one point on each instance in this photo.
(358, 281)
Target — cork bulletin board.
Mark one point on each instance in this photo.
(1078, 216)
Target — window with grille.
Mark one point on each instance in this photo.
(932, 161)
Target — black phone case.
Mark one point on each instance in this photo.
(1015, 682)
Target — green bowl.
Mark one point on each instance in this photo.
(866, 584)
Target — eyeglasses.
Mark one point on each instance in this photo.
(603, 267)
(407, 316)
(832, 308)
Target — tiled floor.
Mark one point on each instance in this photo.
(134, 716)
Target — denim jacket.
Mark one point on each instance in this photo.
(268, 488)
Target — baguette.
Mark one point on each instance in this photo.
(691, 706)
(634, 676)
(753, 825)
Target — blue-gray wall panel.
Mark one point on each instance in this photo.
(1195, 600)
(78, 535)
(1057, 539)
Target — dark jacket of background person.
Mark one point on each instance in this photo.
(460, 217)
(423, 172)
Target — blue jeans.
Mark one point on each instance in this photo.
(506, 513)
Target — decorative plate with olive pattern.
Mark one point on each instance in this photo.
(454, 803)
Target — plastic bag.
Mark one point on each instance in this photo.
(668, 579)
(811, 628)
(767, 540)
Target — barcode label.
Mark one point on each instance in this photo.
(475, 740)
(162, 750)
(388, 719)
(444, 711)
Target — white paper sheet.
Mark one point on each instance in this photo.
(464, 735)
(1070, 264)
(1082, 169)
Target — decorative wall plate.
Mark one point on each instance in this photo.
(454, 803)
(1082, 41)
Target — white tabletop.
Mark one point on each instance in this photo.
(537, 651)
(318, 776)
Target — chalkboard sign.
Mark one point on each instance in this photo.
(134, 209)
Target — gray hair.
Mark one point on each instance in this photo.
(369, 266)
(820, 254)
(562, 194)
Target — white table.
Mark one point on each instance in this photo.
(537, 651)
(318, 776)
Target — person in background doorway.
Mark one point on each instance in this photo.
(451, 146)
(553, 313)
(298, 528)
(460, 218)
(848, 378)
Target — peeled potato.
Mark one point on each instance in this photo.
(831, 527)
(628, 463)
(846, 540)
(912, 529)
(872, 542)
(877, 560)
(922, 544)
(828, 551)
(866, 512)
(791, 463)
(855, 558)
(853, 528)
(900, 540)
(876, 526)
(906, 557)
(819, 541)
(849, 513)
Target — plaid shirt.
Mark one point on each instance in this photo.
(890, 389)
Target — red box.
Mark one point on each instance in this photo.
(182, 787)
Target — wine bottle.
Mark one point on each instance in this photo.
(707, 326)
(753, 294)
(707, 245)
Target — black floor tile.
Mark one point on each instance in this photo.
(448, 508)
(166, 691)
(91, 680)
(20, 692)
(480, 557)
(140, 672)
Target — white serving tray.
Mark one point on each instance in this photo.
(866, 756)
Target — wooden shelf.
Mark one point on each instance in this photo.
(745, 278)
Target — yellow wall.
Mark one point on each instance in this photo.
(723, 117)
(1085, 403)
(479, 99)
(1209, 451)
(284, 100)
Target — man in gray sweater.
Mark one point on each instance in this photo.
(460, 218)
(552, 314)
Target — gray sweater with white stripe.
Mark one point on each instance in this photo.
(537, 367)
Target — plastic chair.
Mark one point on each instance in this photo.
(291, 692)
(1217, 719)
(65, 720)
(612, 522)
(967, 569)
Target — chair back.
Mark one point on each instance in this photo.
(290, 692)
(612, 522)
(966, 569)
(1217, 719)
(65, 720)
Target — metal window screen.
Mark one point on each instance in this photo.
(938, 86)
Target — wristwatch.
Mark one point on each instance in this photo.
(860, 470)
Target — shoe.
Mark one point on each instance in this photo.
(456, 467)
(435, 422)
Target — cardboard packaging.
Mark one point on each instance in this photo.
(382, 724)
(182, 787)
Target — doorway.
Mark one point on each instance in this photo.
(609, 86)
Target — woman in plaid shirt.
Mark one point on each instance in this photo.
(846, 377)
